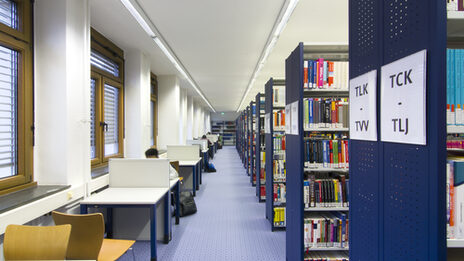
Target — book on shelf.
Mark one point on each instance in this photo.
(263, 191)
(325, 190)
(455, 87)
(455, 197)
(279, 169)
(324, 74)
(326, 230)
(455, 5)
(279, 143)
(280, 191)
(325, 151)
(279, 216)
(327, 256)
(325, 113)
(279, 118)
(278, 96)
(455, 141)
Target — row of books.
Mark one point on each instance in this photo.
(455, 5)
(455, 87)
(323, 74)
(326, 153)
(279, 169)
(279, 216)
(330, 192)
(280, 191)
(327, 256)
(455, 141)
(325, 113)
(329, 229)
(279, 143)
(279, 119)
(455, 197)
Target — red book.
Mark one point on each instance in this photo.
(347, 157)
(283, 142)
(460, 5)
(331, 73)
(282, 119)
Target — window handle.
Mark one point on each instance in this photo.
(104, 125)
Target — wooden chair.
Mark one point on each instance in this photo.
(36, 243)
(87, 242)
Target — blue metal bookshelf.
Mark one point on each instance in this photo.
(391, 222)
(269, 138)
(252, 142)
(260, 146)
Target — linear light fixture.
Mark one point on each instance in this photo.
(150, 29)
(272, 40)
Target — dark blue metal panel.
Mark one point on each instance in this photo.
(366, 169)
(400, 187)
(294, 158)
(258, 145)
(269, 153)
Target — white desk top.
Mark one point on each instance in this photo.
(188, 162)
(204, 151)
(125, 196)
(173, 182)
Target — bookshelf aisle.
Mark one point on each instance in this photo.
(226, 129)
(247, 140)
(260, 148)
(275, 154)
(317, 152)
(455, 126)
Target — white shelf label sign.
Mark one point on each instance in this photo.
(267, 123)
(294, 118)
(402, 100)
(363, 107)
(288, 118)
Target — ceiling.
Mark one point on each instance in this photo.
(219, 42)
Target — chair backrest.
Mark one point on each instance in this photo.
(86, 234)
(36, 243)
(175, 165)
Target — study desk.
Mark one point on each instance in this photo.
(195, 172)
(132, 198)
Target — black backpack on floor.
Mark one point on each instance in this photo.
(187, 204)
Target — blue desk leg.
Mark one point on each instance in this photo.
(194, 182)
(197, 173)
(167, 217)
(177, 202)
(84, 209)
(201, 173)
(153, 232)
(109, 222)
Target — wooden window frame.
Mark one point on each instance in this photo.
(154, 98)
(20, 41)
(105, 47)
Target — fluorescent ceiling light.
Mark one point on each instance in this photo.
(157, 39)
(277, 30)
(138, 17)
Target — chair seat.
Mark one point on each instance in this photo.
(112, 249)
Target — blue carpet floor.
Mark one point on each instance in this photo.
(230, 224)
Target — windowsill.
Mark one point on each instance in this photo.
(98, 172)
(28, 195)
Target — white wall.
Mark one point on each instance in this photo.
(190, 118)
(137, 104)
(168, 111)
(62, 91)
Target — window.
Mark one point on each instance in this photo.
(16, 101)
(154, 110)
(106, 100)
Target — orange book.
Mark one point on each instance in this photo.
(282, 123)
(331, 73)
